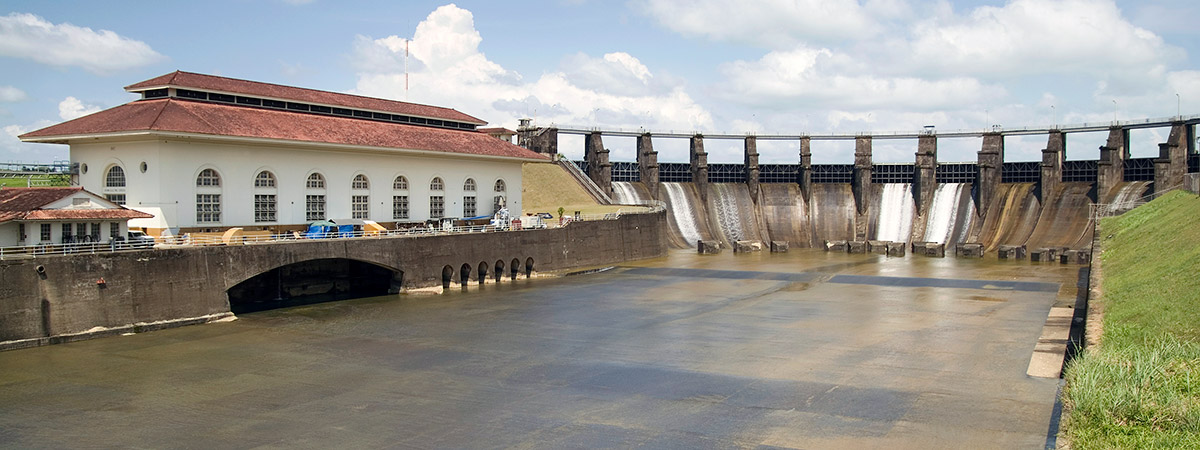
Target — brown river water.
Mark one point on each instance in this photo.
(799, 350)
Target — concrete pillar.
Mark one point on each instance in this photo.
(1110, 170)
(806, 168)
(647, 160)
(1052, 162)
(541, 140)
(861, 185)
(926, 177)
(699, 165)
(991, 165)
(1171, 165)
(599, 168)
(752, 166)
(861, 181)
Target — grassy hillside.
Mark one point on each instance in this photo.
(546, 187)
(1141, 387)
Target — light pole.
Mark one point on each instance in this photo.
(1178, 106)
(1114, 111)
(1053, 116)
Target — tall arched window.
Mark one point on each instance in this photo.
(314, 197)
(360, 197)
(498, 201)
(208, 197)
(469, 198)
(437, 198)
(400, 198)
(264, 197)
(114, 185)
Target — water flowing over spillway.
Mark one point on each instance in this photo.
(895, 213)
(1128, 196)
(727, 212)
(944, 214)
(625, 193)
(681, 209)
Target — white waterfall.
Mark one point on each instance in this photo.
(895, 213)
(681, 208)
(727, 213)
(943, 213)
(625, 193)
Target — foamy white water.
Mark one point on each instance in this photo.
(895, 213)
(626, 194)
(681, 208)
(943, 213)
(727, 213)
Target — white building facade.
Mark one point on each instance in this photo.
(220, 162)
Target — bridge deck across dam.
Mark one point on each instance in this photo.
(49, 296)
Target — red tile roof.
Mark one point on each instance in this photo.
(198, 81)
(27, 204)
(186, 116)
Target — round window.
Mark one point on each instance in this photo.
(143, 167)
(83, 168)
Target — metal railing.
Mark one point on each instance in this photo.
(33, 251)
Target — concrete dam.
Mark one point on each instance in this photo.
(992, 202)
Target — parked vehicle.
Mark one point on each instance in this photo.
(139, 239)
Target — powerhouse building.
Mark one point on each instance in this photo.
(206, 153)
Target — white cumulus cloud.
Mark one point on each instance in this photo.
(446, 68)
(1037, 37)
(32, 37)
(73, 108)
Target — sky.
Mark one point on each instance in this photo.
(709, 66)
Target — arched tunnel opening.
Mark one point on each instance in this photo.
(316, 281)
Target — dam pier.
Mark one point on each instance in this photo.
(992, 202)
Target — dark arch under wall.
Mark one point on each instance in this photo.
(313, 281)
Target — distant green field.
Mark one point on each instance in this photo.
(36, 181)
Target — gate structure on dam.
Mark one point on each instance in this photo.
(991, 201)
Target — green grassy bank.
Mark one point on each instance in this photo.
(37, 180)
(1140, 387)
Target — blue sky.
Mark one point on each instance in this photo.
(771, 66)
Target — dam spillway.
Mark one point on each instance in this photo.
(991, 202)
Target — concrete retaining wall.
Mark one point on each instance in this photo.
(61, 295)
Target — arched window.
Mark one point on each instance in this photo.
(400, 199)
(360, 203)
(498, 201)
(208, 177)
(314, 199)
(315, 181)
(208, 197)
(469, 198)
(264, 197)
(115, 177)
(264, 179)
(437, 199)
